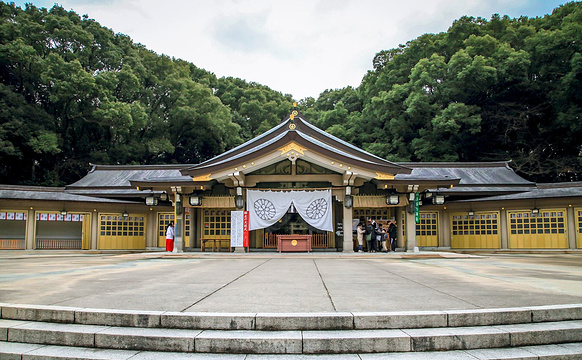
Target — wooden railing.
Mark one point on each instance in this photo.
(11, 244)
(270, 241)
(319, 241)
(57, 244)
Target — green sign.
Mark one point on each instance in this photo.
(416, 207)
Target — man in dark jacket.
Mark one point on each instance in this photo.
(371, 235)
(393, 233)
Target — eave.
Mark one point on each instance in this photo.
(234, 164)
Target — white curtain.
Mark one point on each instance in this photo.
(267, 207)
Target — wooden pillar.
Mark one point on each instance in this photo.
(29, 233)
(179, 223)
(94, 229)
(571, 218)
(444, 229)
(151, 228)
(410, 232)
(503, 229)
(348, 245)
(399, 228)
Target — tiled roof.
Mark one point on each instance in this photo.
(119, 176)
(471, 173)
(543, 191)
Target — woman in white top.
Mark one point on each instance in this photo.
(170, 237)
(361, 231)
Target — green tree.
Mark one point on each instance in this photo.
(255, 108)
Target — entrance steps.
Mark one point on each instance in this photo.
(48, 332)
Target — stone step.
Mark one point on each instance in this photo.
(291, 341)
(291, 321)
(23, 351)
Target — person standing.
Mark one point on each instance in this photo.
(360, 229)
(371, 235)
(385, 239)
(393, 233)
(170, 237)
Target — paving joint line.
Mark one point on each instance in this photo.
(225, 285)
(471, 355)
(325, 286)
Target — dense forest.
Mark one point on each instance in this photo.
(73, 92)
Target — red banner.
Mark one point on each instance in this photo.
(245, 228)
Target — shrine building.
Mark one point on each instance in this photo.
(298, 181)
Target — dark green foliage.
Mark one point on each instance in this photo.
(485, 90)
(73, 92)
(255, 107)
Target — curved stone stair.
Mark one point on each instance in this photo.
(47, 332)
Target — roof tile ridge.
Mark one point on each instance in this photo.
(137, 167)
(31, 188)
(559, 185)
(459, 164)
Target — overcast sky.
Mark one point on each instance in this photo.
(299, 47)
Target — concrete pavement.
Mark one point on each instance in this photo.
(272, 282)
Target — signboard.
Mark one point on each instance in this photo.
(339, 229)
(417, 208)
(54, 217)
(245, 228)
(12, 216)
(239, 228)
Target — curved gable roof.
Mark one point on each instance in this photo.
(304, 134)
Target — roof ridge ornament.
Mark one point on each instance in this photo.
(292, 146)
(292, 125)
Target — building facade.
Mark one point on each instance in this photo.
(459, 206)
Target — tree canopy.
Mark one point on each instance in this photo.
(485, 90)
(74, 92)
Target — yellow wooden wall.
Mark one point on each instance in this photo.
(216, 223)
(119, 233)
(427, 229)
(478, 231)
(86, 237)
(544, 230)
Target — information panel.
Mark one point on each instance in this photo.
(239, 228)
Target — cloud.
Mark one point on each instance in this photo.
(301, 47)
(237, 34)
(247, 36)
